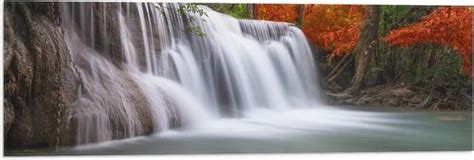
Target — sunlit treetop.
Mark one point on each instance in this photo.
(334, 27)
(276, 12)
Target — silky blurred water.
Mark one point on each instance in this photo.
(328, 129)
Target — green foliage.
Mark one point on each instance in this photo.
(193, 8)
(422, 65)
(439, 67)
(195, 29)
(391, 16)
(239, 11)
(188, 8)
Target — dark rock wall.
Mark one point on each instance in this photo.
(42, 78)
(35, 66)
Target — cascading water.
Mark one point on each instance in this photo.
(238, 66)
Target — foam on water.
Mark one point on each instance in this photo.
(236, 69)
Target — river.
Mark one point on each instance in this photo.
(328, 129)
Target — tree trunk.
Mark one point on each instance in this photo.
(299, 18)
(364, 48)
(251, 10)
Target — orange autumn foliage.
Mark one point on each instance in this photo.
(334, 27)
(446, 26)
(276, 12)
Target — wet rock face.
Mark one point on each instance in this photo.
(35, 64)
(97, 24)
(42, 82)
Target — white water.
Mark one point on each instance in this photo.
(238, 67)
(326, 129)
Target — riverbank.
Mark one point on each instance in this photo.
(403, 96)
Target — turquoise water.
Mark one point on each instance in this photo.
(301, 130)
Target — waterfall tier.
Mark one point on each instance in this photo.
(146, 49)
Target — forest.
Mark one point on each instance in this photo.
(413, 56)
(203, 78)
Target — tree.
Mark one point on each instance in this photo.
(187, 8)
(251, 10)
(340, 28)
(333, 27)
(300, 16)
(446, 26)
(276, 12)
(366, 45)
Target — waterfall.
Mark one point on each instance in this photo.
(186, 79)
